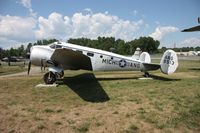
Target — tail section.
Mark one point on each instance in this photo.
(145, 57)
(169, 62)
(137, 53)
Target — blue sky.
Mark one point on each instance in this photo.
(23, 21)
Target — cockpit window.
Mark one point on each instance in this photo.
(58, 46)
(55, 46)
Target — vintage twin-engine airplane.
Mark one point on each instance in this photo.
(61, 56)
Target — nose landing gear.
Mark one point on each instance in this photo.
(49, 78)
(146, 74)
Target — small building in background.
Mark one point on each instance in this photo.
(190, 53)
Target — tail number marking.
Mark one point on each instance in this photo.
(168, 60)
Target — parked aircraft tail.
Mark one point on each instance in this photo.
(145, 57)
(137, 53)
(169, 62)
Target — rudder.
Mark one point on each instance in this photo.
(169, 62)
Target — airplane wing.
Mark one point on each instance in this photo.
(69, 59)
(150, 66)
(196, 28)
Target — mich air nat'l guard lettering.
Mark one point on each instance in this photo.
(120, 63)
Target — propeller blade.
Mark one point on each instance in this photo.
(29, 67)
(41, 64)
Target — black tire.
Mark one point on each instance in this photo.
(49, 78)
(146, 74)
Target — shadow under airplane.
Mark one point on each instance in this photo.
(194, 69)
(87, 87)
(156, 77)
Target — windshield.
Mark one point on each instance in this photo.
(55, 46)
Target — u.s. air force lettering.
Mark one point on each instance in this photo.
(121, 63)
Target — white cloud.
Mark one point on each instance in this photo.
(17, 28)
(27, 4)
(88, 10)
(87, 25)
(160, 32)
(24, 29)
(190, 42)
(55, 26)
(6, 43)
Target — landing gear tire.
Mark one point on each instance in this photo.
(49, 78)
(62, 74)
(146, 74)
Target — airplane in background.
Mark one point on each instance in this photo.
(195, 28)
(60, 56)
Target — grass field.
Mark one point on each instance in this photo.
(14, 68)
(103, 102)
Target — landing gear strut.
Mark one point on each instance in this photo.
(49, 78)
(61, 74)
(146, 74)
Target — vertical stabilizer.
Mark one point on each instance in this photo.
(169, 62)
(137, 53)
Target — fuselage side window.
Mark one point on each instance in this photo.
(90, 54)
(79, 51)
(55, 46)
(58, 46)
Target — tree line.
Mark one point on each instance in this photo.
(119, 46)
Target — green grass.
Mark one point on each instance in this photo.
(14, 68)
(132, 129)
(104, 102)
(48, 110)
(83, 128)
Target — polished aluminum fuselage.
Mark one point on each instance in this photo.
(101, 60)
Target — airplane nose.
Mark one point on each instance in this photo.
(31, 49)
(33, 57)
(39, 53)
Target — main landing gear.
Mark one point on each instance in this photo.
(51, 77)
(146, 74)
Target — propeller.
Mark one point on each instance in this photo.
(29, 56)
(29, 67)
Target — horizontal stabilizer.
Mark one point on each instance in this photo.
(150, 67)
